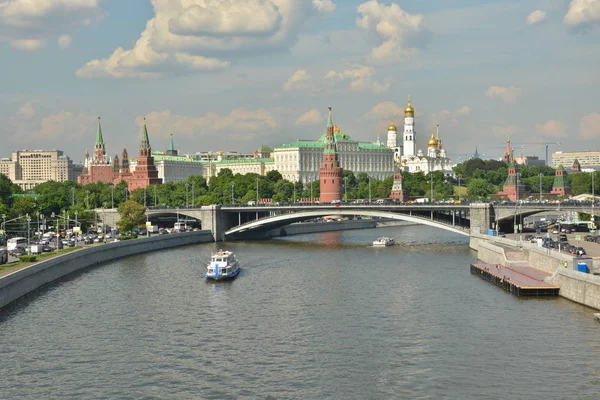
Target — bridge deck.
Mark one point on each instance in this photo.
(521, 281)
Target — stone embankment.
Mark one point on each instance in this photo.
(574, 285)
(23, 281)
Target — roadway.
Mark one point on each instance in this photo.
(592, 249)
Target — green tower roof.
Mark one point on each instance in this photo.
(171, 145)
(99, 138)
(145, 140)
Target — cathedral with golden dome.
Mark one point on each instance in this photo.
(405, 151)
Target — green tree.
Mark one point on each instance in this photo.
(22, 206)
(480, 189)
(6, 188)
(133, 215)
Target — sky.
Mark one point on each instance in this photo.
(232, 75)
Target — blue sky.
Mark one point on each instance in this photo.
(235, 74)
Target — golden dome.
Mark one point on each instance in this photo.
(392, 127)
(409, 109)
(432, 141)
(336, 129)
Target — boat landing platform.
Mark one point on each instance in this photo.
(520, 281)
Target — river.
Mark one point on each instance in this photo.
(320, 316)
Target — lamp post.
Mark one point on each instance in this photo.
(593, 199)
(87, 199)
(112, 196)
(72, 196)
(144, 196)
(431, 191)
(154, 195)
(193, 197)
(294, 192)
(345, 188)
(541, 188)
(56, 233)
(256, 191)
(459, 189)
(311, 195)
(76, 234)
(186, 194)
(232, 199)
(28, 228)
(369, 189)
(177, 214)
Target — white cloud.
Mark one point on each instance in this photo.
(360, 78)
(506, 94)
(64, 41)
(310, 117)
(26, 111)
(398, 29)
(506, 131)
(537, 17)
(26, 24)
(214, 31)
(583, 14)
(385, 110)
(464, 110)
(552, 128)
(589, 126)
(238, 124)
(300, 80)
(27, 44)
(324, 6)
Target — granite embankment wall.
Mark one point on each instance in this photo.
(574, 285)
(26, 280)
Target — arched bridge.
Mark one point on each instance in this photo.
(271, 222)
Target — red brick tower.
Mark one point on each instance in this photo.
(98, 169)
(560, 187)
(331, 173)
(398, 187)
(145, 173)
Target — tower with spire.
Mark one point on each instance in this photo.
(145, 173)
(98, 168)
(398, 192)
(171, 151)
(330, 173)
(410, 149)
(508, 153)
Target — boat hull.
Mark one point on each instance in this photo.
(222, 277)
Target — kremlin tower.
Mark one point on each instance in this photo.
(398, 187)
(331, 173)
(98, 169)
(145, 171)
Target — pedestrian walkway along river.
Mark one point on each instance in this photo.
(319, 316)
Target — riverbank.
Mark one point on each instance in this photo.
(20, 282)
(574, 285)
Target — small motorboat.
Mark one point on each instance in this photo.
(384, 241)
(223, 265)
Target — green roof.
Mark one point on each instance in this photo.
(244, 161)
(99, 138)
(172, 145)
(265, 149)
(160, 156)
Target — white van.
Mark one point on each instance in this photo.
(13, 243)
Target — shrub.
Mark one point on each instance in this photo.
(126, 237)
(28, 258)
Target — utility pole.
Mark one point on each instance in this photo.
(459, 191)
(256, 191)
(541, 188)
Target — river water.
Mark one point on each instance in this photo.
(320, 316)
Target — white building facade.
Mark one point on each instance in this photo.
(29, 168)
(300, 161)
(413, 160)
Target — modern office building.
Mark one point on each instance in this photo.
(586, 159)
(28, 168)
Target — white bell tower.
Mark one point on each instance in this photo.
(410, 148)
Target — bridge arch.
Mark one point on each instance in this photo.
(277, 221)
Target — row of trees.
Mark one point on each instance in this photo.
(480, 178)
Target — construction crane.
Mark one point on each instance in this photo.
(546, 144)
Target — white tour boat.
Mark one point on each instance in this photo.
(223, 265)
(384, 241)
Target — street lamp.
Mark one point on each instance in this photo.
(256, 191)
(431, 191)
(345, 188)
(459, 189)
(593, 199)
(87, 199)
(311, 195)
(76, 234)
(144, 196)
(193, 197)
(186, 194)
(56, 233)
(112, 196)
(541, 188)
(28, 228)
(369, 189)
(232, 199)
(154, 195)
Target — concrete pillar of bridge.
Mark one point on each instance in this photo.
(481, 217)
(216, 221)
